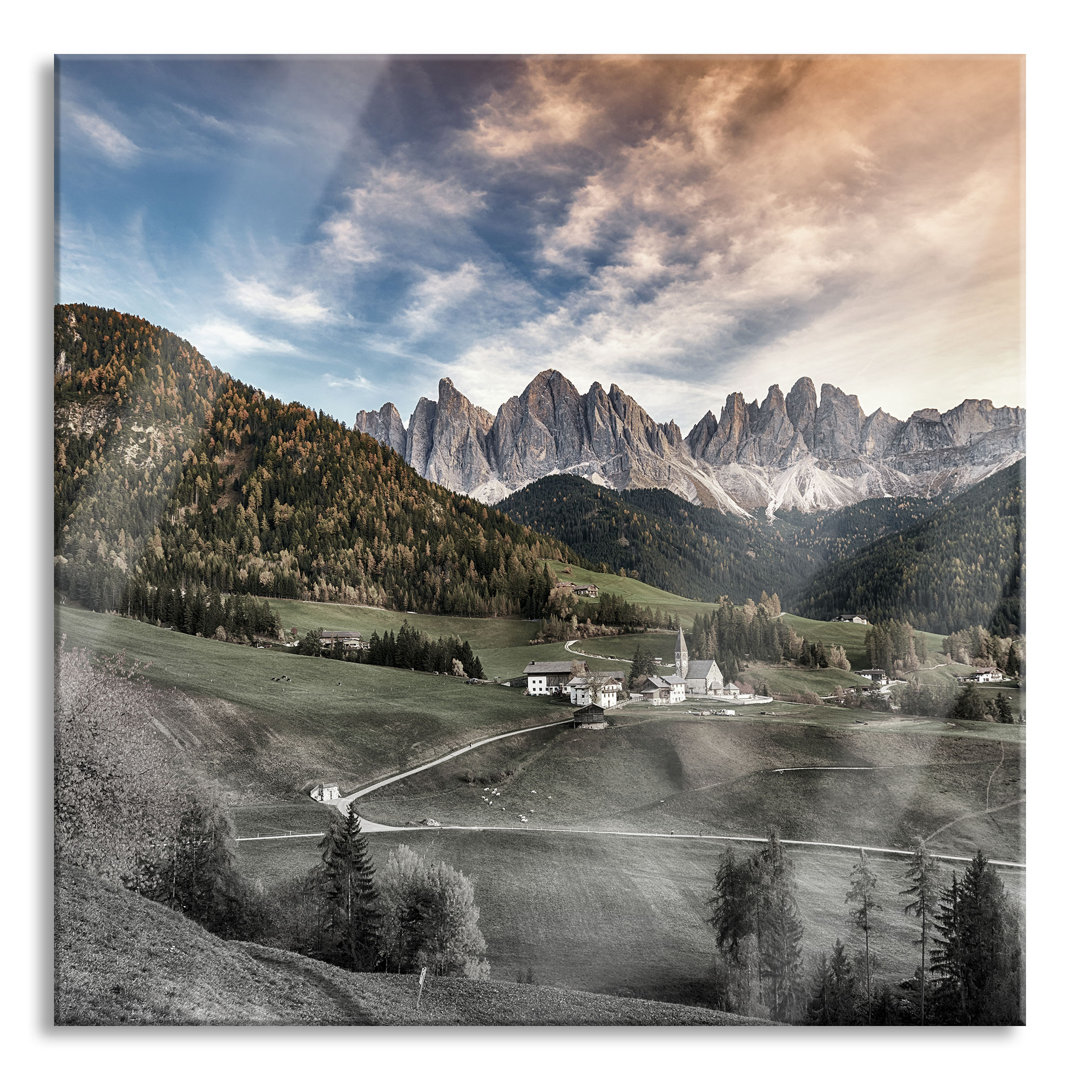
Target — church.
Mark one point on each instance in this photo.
(700, 676)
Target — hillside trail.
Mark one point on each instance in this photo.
(342, 805)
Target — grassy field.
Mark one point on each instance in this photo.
(123, 960)
(636, 592)
(672, 772)
(626, 915)
(621, 914)
(264, 740)
(583, 910)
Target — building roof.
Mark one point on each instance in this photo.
(659, 683)
(550, 667)
(589, 710)
(699, 669)
(673, 680)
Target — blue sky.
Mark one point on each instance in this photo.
(345, 232)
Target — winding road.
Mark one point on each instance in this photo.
(344, 802)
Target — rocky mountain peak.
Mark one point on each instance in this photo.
(800, 450)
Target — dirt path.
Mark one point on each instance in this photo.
(373, 826)
(343, 803)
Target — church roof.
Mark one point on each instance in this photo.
(699, 669)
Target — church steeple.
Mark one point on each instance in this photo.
(682, 656)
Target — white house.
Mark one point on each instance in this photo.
(591, 691)
(549, 676)
(325, 792)
(983, 675)
(666, 689)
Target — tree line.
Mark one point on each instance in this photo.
(735, 634)
(410, 648)
(971, 966)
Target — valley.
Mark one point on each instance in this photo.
(562, 896)
(233, 529)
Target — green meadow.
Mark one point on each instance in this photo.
(559, 898)
(262, 737)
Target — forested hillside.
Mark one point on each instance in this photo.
(963, 566)
(170, 473)
(698, 552)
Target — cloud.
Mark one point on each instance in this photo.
(300, 307)
(437, 293)
(357, 382)
(231, 339)
(764, 208)
(538, 113)
(398, 214)
(104, 137)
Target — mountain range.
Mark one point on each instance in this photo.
(799, 452)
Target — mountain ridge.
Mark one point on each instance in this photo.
(801, 451)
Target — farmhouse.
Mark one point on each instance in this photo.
(586, 590)
(664, 689)
(325, 792)
(875, 675)
(982, 675)
(600, 687)
(850, 618)
(549, 676)
(349, 640)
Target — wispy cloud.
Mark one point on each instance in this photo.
(104, 137)
(357, 382)
(221, 337)
(301, 306)
(397, 214)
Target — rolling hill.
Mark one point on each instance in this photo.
(121, 959)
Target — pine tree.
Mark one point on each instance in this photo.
(350, 911)
(733, 904)
(1002, 709)
(833, 998)
(779, 931)
(861, 894)
(920, 873)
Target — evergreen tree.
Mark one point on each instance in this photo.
(980, 958)
(1003, 713)
(733, 902)
(921, 874)
(978, 963)
(779, 931)
(832, 1000)
(861, 895)
(969, 705)
(350, 910)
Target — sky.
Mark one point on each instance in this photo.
(346, 232)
